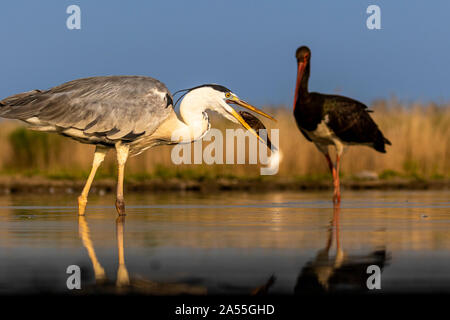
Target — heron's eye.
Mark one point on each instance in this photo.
(227, 95)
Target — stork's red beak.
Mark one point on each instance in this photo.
(300, 71)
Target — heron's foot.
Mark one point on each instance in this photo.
(120, 206)
(82, 201)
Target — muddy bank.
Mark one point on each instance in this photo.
(9, 185)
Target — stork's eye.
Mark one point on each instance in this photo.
(227, 95)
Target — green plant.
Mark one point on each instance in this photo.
(32, 149)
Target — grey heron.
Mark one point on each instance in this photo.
(128, 113)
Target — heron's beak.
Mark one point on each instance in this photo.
(248, 106)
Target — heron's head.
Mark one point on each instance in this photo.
(220, 99)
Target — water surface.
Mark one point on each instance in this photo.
(227, 243)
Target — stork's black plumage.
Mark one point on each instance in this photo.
(332, 120)
(348, 119)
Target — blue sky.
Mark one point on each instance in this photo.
(247, 46)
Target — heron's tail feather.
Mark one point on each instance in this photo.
(21, 98)
(15, 106)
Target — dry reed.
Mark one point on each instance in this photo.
(420, 136)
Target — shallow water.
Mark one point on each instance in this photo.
(229, 243)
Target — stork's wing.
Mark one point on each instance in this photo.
(351, 122)
(116, 107)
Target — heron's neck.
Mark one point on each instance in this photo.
(196, 122)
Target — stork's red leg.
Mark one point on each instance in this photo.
(335, 178)
(337, 186)
(330, 163)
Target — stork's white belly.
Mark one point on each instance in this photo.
(323, 136)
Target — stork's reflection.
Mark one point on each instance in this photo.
(328, 273)
(123, 283)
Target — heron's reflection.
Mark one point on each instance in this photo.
(340, 271)
(84, 232)
(123, 283)
(122, 273)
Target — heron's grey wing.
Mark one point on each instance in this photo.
(118, 107)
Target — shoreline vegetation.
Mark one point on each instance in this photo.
(419, 158)
(38, 185)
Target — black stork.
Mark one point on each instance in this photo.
(329, 120)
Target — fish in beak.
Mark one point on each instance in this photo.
(276, 154)
(235, 100)
(256, 125)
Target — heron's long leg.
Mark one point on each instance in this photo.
(99, 156)
(122, 156)
(122, 273)
(83, 230)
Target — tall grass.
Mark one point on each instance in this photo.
(420, 136)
